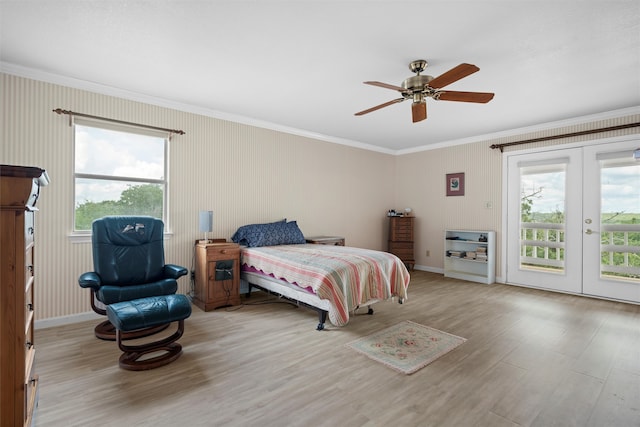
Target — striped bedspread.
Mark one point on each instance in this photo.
(348, 277)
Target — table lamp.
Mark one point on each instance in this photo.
(205, 221)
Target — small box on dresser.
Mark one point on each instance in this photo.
(217, 275)
(19, 191)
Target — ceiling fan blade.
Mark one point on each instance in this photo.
(418, 111)
(453, 75)
(385, 85)
(377, 107)
(451, 95)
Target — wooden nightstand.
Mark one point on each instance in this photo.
(217, 281)
(326, 240)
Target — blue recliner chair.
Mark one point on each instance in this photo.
(128, 258)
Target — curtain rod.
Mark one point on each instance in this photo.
(565, 135)
(71, 114)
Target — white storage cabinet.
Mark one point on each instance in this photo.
(470, 255)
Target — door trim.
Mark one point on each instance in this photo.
(505, 216)
(569, 280)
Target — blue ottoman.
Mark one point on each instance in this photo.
(145, 313)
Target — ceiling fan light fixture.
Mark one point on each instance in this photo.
(419, 87)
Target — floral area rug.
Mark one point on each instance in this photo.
(407, 346)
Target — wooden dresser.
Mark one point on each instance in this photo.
(217, 281)
(19, 191)
(401, 239)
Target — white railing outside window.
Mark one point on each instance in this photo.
(542, 246)
(620, 255)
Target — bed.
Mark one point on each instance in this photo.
(334, 280)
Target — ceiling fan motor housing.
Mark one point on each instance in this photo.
(415, 84)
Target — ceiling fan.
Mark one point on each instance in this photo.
(419, 87)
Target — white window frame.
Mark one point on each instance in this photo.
(84, 236)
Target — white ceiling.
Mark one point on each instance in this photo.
(299, 65)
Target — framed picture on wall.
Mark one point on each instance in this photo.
(455, 184)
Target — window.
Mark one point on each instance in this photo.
(119, 170)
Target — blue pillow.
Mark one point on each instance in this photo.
(282, 234)
(270, 234)
(251, 235)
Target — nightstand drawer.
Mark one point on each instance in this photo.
(216, 253)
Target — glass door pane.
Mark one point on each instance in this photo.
(542, 213)
(544, 233)
(620, 220)
(612, 221)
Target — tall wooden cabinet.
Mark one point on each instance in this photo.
(19, 191)
(401, 239)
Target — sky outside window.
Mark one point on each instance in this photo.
(118, 154)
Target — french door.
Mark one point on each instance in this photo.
(573, 220)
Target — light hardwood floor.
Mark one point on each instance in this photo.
(532, 358)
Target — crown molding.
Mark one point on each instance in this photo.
(606, 115)
(75, 83)
(47, 77)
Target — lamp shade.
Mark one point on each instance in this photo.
(206, 221)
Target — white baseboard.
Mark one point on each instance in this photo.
(90, 315)
(441, 271)
(67, 320)
(429, 269)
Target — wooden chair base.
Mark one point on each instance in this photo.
(130, 360)
(133, 356)
(106, 331)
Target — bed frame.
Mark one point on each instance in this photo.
(292, 293)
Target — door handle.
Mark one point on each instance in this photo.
(590, 231)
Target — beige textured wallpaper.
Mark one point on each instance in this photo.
(245, 174)
(421, 184)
